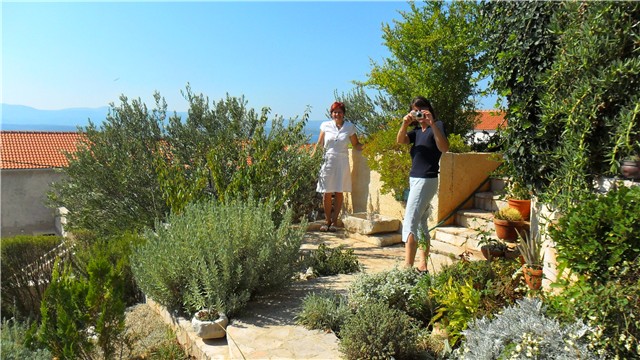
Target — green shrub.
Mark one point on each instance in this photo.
(393, 287)
(524, 332)
(376, 331)
(65, 316)
(599, 232)
(466, 290)
(327, 261)
(457, 144)
(611, 307)
(116, 249)
(458, 304)
(389, 159)
(19, 299)
(75, 309)
(326, 311)
(494, 279)
(13, 336)
(217, 254)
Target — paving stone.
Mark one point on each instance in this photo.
(267, 328)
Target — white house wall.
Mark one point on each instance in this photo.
(23, 202)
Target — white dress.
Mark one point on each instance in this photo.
(335, 174)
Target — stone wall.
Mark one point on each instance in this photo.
(460, 176)
(23, 202)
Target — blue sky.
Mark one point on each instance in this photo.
(284, 55)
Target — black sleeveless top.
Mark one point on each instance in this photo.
(425, 156)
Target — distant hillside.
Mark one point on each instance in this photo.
(20, 117)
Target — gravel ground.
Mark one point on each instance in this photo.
(148, 336)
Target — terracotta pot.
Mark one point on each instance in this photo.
(512, 254)
(630, 169)
(523, 207)
(490, 252)
(508, 230)
(532, 277)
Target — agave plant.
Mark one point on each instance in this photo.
(530, 247)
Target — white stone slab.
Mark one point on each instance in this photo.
(367, 224)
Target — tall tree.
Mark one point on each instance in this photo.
(139, 165)
(570, 73)
(520, 49)
(434, 53)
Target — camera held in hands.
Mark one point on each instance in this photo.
(417, 114)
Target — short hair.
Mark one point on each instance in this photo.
(422, 102)
(337, 105)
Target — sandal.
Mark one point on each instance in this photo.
(325, 227)
(422, 272)
(333, 228)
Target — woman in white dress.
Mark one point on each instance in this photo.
(335, 174)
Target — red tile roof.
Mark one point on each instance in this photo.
(36, 149)
(45, 149)
(490, 120)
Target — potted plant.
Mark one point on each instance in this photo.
(519, 198)
(490, 247)
(210, 324)
(508, 223)
(531, 251)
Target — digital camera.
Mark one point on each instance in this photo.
(417, 114)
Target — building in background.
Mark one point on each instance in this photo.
(29, 164)
(489, 122)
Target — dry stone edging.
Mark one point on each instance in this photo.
(267, 328)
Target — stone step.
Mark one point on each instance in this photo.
(379, 240)
(437, 261)
(456, 240)
(370, 224)
(475, 219)
(489, 201)
(498, 185)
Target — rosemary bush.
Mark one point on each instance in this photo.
(331, 261)
(523, 332)
(325, 311)
(217, 255)
(377, 331)
(75, 308)
(393, 287)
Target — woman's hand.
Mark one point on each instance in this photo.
(428, 118)
(407, 120)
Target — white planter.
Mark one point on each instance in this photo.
(211, 329)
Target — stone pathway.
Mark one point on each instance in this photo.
(267, 329)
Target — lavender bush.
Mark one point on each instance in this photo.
(524, 332)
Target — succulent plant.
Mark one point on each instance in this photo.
(509, 214)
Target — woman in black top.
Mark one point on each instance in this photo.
(428, 142)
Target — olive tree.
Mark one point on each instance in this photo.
(140, 165)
